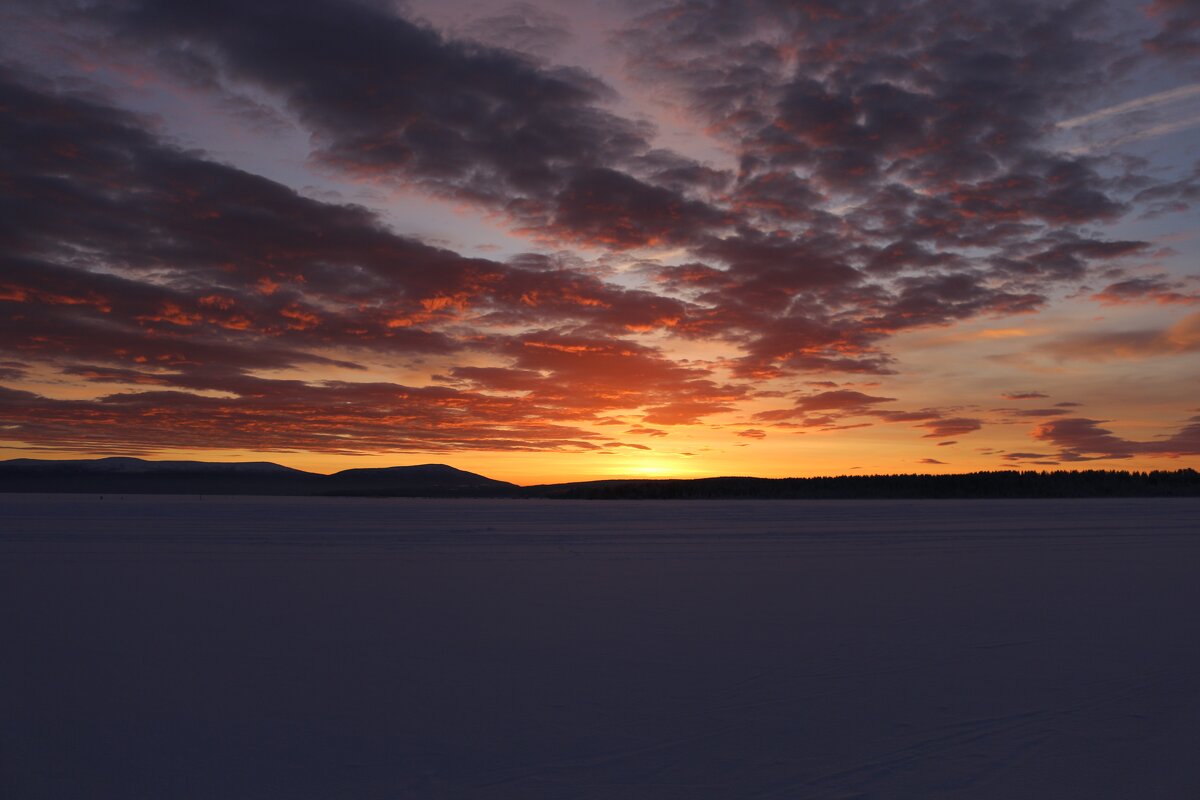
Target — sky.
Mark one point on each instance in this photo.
(572, 240)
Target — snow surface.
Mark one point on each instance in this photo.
(178, 647)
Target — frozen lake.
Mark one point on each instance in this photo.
(245, 648)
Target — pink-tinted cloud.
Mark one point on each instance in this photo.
(1179, 338)
(1082, 439)
(284, 416)
(945, 154)
(828, 411)
(1146, 290)
(843, 402)
(1178, 34)
(951, 426)
(587, 374)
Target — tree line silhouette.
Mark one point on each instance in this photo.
(998, 484)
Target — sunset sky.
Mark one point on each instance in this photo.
(569, 240)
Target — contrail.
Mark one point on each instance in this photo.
(1161, 129)
(1156, 130)
(1162, 98)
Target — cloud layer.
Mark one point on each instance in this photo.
(889, 171)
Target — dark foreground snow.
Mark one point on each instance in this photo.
(235, 649)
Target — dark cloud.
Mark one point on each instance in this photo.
(1030, 459)
(845, 402)
(919, 415)
(383, 91)
(932, 122)
(781, 196)
(283, 416)
(1063, 256)
(604, 207)
(829, 410)
(389, 99)
(679, 173)
(12, 370)
(1171, 196)
(522, 27)
(931, 119)
(1032, 412)
(127, 261)
(894, 89)
(925, 130)
(941, 299)
(1084, 440)
(1178, 34)
(840, 399)
(106, 229)
(1024, 395)
(951, 426)
(1156, 289)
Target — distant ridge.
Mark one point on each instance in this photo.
(138, 476)
(125, 465)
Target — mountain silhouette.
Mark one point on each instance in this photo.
(138, 476)
(437, 478)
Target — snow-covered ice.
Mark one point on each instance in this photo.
(244, 648)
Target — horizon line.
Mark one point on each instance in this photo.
(1013, 469)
